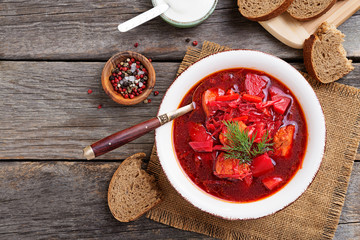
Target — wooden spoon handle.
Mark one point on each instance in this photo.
(120, 138)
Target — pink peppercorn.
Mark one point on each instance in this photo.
(156, 93)
(89, 91)
(99, 106)
(195, 43)
(136, 44)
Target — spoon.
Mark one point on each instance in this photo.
(144, 17)
(120, 138)
(127, 135)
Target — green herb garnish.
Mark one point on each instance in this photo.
(241, 147)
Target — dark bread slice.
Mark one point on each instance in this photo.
(324, 56)
(257, 10)
(305, 10)
(132, 191)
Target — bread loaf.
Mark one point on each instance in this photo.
(257, 10)
(132, 191)
(324, 56)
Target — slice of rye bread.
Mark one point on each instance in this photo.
(324, 56)
(257, 10)
(305, 10)
(132, 191)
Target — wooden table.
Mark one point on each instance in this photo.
(51, 53)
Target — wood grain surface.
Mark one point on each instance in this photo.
(68, 200)
(51, 108)
(51, 53)
(78, 30)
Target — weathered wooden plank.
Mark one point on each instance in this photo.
(49, 112)
(46, 112)
(46, 200)
(350, 231)
(66, 200)
(351, 209)
(76, 29)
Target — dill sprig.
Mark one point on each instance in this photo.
(241, 146)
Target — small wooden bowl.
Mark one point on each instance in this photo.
(111, 64)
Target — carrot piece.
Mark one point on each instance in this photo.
(228, 97)
(251, 98)
(241, 118)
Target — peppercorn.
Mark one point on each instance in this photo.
(136, 44)
(89, 91)
(149, 100)
(194, 43)
(99, 106)
(156, 93)
(128, 79)
(187, 40)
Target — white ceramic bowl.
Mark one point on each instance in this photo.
(180, 12)
(313, 115)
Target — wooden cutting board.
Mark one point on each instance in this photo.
(293, 32)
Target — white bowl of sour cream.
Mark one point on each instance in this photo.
(186, 13)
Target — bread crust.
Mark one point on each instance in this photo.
(317, 15)
(307, 53)
(135, 157)
(282, 8)
(310, 51)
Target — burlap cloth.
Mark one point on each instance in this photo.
(316, 213)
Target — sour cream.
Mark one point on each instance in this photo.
(186, 13)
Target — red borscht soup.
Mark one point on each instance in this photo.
(246, 137)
